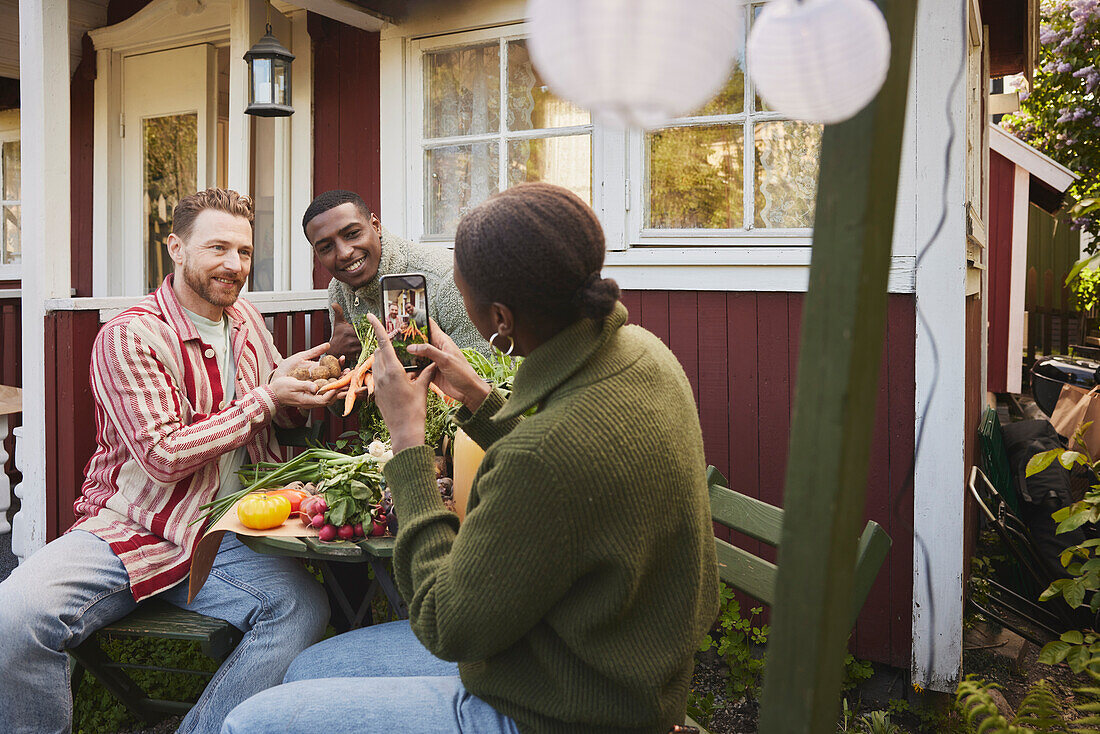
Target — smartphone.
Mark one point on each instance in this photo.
(405, 315)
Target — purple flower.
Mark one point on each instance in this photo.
(1064, 67)
(1049, 36)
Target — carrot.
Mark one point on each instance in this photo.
(368, 381)
(337, 384)
(353, 388)
(435, 388)
(346, 379)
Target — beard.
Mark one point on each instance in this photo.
(201, 285)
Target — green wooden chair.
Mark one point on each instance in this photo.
(158, 619)
(993, 459)
(759, 520)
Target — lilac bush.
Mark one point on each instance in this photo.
(1061, 115)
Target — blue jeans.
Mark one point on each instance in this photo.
(76, 585)
(373, 679)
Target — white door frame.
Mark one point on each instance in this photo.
(167, 24)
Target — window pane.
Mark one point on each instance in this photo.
(12, 254)
(758, 104)
(787, 155)
(696, 177)
(730, 100)
(565, 160)
(459, 176)
(171, 169)
(462, 91)
(12, 189)
(530, 104)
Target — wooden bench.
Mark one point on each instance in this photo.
(157, 619)
(153, 619)
(756, 576)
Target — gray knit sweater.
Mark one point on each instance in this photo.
(444, 300)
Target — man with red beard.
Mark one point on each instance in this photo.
(186, 384)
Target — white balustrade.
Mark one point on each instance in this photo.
(20, 532)
(11, 403)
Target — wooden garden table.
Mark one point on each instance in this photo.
(375, 551)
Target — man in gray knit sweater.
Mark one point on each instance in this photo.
(351, 244)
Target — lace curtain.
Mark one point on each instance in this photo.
(463, 98)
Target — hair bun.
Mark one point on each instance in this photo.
(597, 297)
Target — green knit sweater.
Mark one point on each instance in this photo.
(444, 301)
(584, 576)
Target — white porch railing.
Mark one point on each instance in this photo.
(11, 402)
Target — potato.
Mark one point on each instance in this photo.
(320, 382)
(332, 364)
(301, 372)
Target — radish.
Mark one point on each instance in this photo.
(378, 527)
(346, 531)
(358, 530)
(328, 533)
(313, 505)
(318, 520)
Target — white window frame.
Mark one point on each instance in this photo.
(607, 159)
(9, 132)
(643, 259)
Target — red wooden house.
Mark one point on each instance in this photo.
(427, 107)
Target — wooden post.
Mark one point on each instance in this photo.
(44, 134)
(834, 408)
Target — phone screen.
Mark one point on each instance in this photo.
(405, 306)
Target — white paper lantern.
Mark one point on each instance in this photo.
(819, 60)
(635, 61)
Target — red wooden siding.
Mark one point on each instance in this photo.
(1001, 182)
(11, 364)
(82, 139)
(70, 412)
(346, 140)
(740, 353)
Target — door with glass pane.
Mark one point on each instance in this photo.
(169, 122)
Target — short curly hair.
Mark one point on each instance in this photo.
(330, 200)
(223, 200)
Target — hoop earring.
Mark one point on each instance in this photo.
(511, 344)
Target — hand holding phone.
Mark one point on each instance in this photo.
(405, 316)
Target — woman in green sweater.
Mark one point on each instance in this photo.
(580, 583)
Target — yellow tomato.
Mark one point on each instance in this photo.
(263, 511)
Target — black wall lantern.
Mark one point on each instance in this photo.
(269, 78)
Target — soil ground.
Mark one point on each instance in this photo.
(889, 691)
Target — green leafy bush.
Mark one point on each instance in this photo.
(701, 708)
(97, 711)
(1040, 712)
(1085, 285)
(737, 643)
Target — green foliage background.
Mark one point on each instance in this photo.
(1061, 114)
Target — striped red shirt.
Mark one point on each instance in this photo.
(162, 423)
